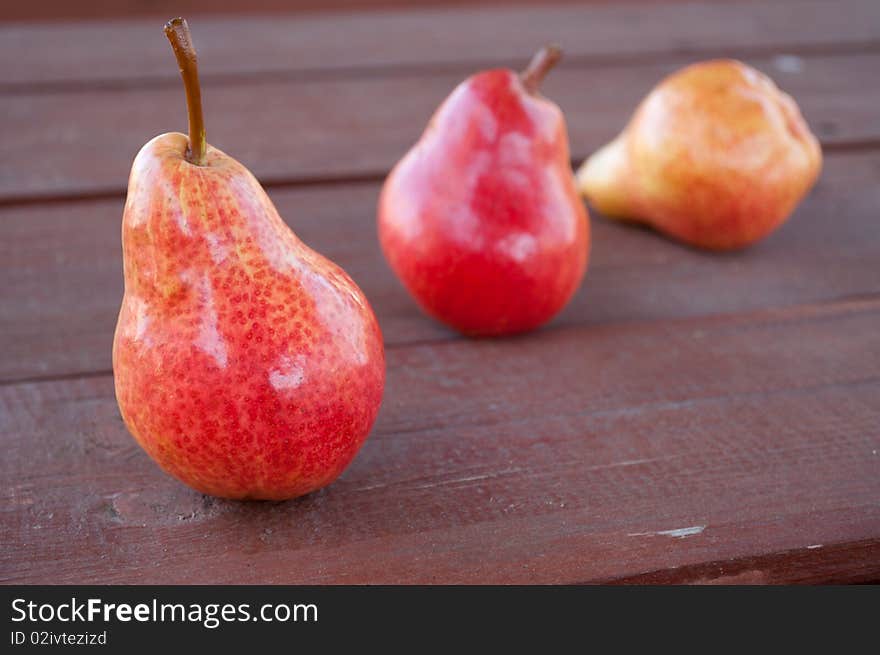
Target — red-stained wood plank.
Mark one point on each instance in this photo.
(54, 10)
(583, 454)
(62, 268)
(129, 50)
(846, 563)
(65, 144)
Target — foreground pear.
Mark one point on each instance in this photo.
(716, 156)
(245, 364)
(481, 219)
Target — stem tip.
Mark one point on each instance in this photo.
(545, 59)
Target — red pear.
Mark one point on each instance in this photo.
(246, 364)
(481, 219)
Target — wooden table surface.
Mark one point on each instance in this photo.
(690, 417)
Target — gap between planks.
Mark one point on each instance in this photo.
(366, 72)
(801, 314)
(813, 564)
(430, 36)
(343, 179)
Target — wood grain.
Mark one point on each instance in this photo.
(641, 448)
(62, 264)
(847, 563)
(294, 132)
(53, 10)
(134, 50)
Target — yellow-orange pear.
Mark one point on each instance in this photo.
(716, 156)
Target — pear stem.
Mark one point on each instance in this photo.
(545, 59)
(179, 35)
